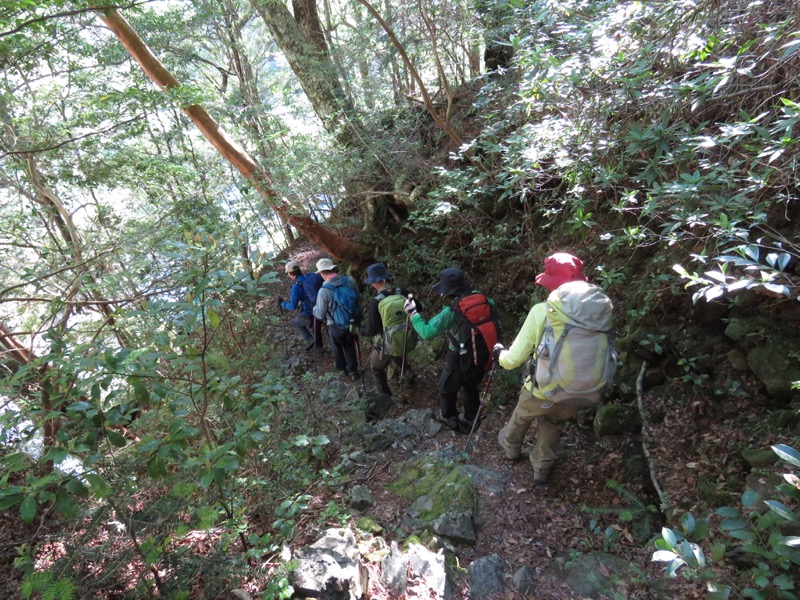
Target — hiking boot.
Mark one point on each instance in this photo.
(541, 477)
(465, 425)
(355, 376)
(309, 346)
(450, 422)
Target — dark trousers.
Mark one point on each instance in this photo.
(304, 324)
(466, 378)
(343, 347)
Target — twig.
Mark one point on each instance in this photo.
(651, 467)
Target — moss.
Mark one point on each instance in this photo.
(442, 482)
(369, 525)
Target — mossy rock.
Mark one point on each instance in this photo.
(442, 481)
(775, 366)
(759, 458)
(614, 419)
(369, 525)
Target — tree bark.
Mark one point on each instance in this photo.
(333, 243)
(314, 70)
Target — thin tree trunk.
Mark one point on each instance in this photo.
(426, 100)
(336, 245)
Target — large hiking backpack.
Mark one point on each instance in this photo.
(398, 339)
(576, 357)
(344, 309)
(478, 330)
(311, 285)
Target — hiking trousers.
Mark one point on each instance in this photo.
(551, 417)
(304, 324)
(455, 378)
(379, 361)
(343, 347)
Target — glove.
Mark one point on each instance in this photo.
(498, 348)
(410, 307)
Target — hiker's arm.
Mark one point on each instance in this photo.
(295, 299)
(527, 339)
(321, 308)
(438, 325)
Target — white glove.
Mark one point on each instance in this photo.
(410, 307)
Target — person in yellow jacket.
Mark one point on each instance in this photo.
(559, 268)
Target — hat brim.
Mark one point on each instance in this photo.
(451, 290)
(378, 279)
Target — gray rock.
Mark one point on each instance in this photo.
(486, 576)
(340, 540)
(393, 571)
(361, 498)
(491, 480)
(524, 581)
(378, 441)
(420, 506)
(598, 573)
(457, 527)
(358, 461)
(400, 429)
(416, 417)
(430, 566)
(329, 569)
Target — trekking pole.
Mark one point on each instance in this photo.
(283, 327)
(314, 333)
(360, 365)
(481, 403)
(405, 341)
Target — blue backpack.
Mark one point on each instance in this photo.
(311, 284)
(344, 309)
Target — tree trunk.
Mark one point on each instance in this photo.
(336, 245)
(314, 70)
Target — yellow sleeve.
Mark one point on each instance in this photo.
(527, 339)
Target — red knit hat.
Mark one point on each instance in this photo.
(560, 268)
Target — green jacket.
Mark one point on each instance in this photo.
(445, 323)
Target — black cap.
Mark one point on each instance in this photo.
(452, 282)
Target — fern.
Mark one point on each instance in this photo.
(60, 589)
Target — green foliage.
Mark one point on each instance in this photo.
(754, 533)
(759, 266)
(634, 517)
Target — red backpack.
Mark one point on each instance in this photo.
(478, 330)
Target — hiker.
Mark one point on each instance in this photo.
(469, 353)
(563, 377)
(337, 302)
(304, 296)
(388, 324)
